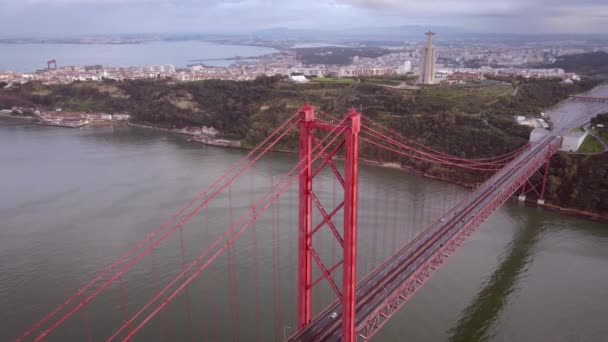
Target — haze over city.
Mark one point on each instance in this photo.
(72, 17)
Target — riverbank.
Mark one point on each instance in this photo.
(66, 125)
(548, 206)
(232, 144)
(567, 211)
(18, 117)
(203, 135)
(392, 165)
(576, 213)
(196, 137)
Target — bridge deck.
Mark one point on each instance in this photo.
(388, 278)
(589, 98)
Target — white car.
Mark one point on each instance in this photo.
(333, 315)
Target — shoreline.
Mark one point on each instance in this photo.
(276, 49)
(18, 117)
(574, 212)
(548, 206)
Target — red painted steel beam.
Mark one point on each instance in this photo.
(307, 117)
(327, 219)
(327, 160)
(349, 271)
(349, 128)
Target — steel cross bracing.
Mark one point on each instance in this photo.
(403, 274)
(542, 183)
(348, 240)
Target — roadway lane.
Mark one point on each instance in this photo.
(372, 291)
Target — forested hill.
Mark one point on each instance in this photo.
(470, 121)
(590, 64)
(445, 117)
(579, 181)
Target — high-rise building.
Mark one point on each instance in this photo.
(427, 70)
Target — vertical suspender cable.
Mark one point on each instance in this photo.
(256, 274)
(234, 293)
(187, 292)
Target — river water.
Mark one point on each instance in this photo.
(570, 114)
(72, 200)
(31, 57)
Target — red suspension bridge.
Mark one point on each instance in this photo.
(335, 292)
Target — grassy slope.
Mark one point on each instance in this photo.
(590, 145)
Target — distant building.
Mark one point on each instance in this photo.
(93, 67)
(573, 140)
(121, 117)
(542, 123)
(298, 78)
(532, 122)
(354, 71)
(429, 55)
(466, 76)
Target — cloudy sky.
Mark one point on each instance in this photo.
(61, 17)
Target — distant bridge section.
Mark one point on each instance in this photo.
(589, 98)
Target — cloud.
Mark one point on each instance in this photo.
(476, 7)
(435, 7)
(506, 15)
(26, 17)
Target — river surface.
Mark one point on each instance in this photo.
(31, 57)
(571, 114)
(73, 200)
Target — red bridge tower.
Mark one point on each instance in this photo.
(349, 130)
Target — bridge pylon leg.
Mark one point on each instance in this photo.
(307, 117)
(349, 275)
(348, 131)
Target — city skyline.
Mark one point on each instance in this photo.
(62, 17)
